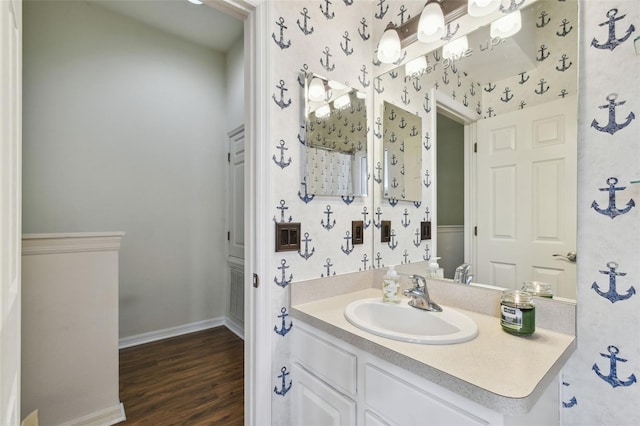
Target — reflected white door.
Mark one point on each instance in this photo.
(236, 193)
(235, 225)
(526, 203)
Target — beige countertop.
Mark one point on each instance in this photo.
(501, 371)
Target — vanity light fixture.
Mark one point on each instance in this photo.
(342, 101)
(477, 8)
(456, 48)
(431, 25)
(506, 26)
(416, 66)
(427, 27)
(316, 90)
(336, 85)
(389, 47)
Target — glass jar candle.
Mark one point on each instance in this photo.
(517, 313)
(537, 288)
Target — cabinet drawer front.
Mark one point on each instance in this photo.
(332, 364)
(316, 404)
(416, 407)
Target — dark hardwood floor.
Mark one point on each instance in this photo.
(195, 379)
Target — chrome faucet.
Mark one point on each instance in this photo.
(420, 295)
(462, 274)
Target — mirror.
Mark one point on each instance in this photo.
(402, 154)
(335, 122)
(499, 144)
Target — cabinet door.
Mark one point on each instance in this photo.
(317, 404)
(406, 404)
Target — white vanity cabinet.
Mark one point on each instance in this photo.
(335, 383)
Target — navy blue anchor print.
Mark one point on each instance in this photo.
(282, 163)
(544, 20)
(383, 9)
(612, 377)
(612, 211)
(283, 330)
(348, 238)
(513, 6)
(327, 267)
(283, 387)
(307, 254)
(280, 41)
(612, 42)
(283, 281)
(304, 27)
(612, 294)
(281, 102)
(362, 30)
(326, 9)
(612, 126)
(283, 207)
(572, 402)
(307, 198)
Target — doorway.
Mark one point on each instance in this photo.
(450, 195)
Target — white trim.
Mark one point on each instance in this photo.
(235, 327)
(153, 336)
(258, 356)
(449, 107)
(108, 416)
(33, 244)
(450, 229)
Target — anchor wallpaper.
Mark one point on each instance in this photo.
(337, 39)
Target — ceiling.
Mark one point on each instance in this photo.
(199, 24)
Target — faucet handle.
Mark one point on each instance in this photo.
(417, 279)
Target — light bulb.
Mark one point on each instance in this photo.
(324, 111)
(506, 26)
(389, 47)
(431, 24)
(316, 90)
(478, 8)
(342, 101)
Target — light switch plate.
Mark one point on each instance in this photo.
(357, 232)
(385, 231)
(287, 236)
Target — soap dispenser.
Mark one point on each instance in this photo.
(434, 270)
(391, 286)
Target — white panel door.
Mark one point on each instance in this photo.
(235, 214)
(526, 203)
(10, 199)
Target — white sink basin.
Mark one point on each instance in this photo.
(400, 321)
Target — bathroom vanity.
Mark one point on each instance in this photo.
(346, 376)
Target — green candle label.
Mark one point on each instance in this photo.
(516, 320)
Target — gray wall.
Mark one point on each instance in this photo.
(235, 85)
(450, 182)
(124, 130)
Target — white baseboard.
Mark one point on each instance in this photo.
(107, 417)
(236, 327)
(152, 336)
